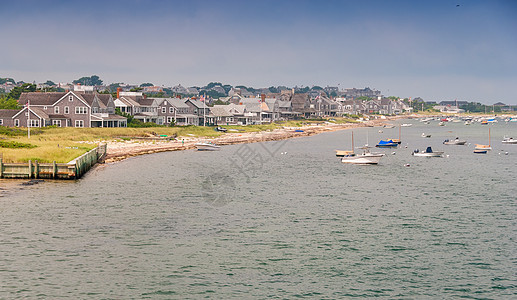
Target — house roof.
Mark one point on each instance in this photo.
(38, 98)
(8, 113)
(221, 111)
(197, 103)
(178, 103)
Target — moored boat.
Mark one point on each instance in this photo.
(387, 144)
(364, 158)
(426, 135)
(480, 151)
(427, 153)
(456, 141)
(509, 140)
(207, 146)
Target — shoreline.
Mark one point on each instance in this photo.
(117, 151)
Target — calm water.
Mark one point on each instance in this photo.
(273, 220)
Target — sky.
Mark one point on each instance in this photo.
(436, 50)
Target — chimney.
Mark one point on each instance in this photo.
(118, 92)
(263, 97)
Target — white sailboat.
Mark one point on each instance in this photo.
(364, 158)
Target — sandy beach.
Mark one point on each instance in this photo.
(119, 150)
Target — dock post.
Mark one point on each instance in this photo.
(2, 167)
(54, 170)
(36, 169)
(30, 169)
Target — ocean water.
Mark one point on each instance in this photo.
(281, 219)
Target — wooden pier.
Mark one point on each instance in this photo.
(71, 170)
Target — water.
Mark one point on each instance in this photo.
(273, 220)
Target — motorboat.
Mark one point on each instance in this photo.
(406, 125)
(207, 146)
(427, 153)
(441, 123)
(456, 141)
(364, 158)
(509, 140)
(426, 135)
(389, 126)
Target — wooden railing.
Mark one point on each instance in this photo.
(72, 170)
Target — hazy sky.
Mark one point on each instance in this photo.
(435, 49)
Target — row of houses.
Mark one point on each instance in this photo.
(84, 107)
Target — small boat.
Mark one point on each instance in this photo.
(364, 158)
(509, 140)
(456, 141)
(406, 125)
(484, 147)
(426, 135)
(298, 130)
(389, 126)
(468, 122)
(428, 153)
(441, 123)
(221, 129)
(341, 153)
(387, 144)
(484, 122)
(479, 151)
(207, 146)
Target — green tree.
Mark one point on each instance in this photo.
(17, 91)
(50, 83)
(4, 80)
(212, 84)
(92, 80)
(8, 103)
(146, 84)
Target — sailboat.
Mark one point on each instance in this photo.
(364, 158)
(484, 147)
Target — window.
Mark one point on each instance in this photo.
(80, 110)
(67, 110)
(95, 110)
(34, 123)
(44, 107)
(70, 98)
(1, 122)
(56, 109)
(229, 119)
(79, 123)
(171, 109)
(169, 119)
(56, 123)
(164, 110)
(17, 123)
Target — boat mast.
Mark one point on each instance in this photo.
(400, 129)
(352, 141)
(488, 136)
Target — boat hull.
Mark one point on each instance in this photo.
(433, 154)
(368, 159)
(207, 147)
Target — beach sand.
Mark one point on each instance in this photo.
(119, 150)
